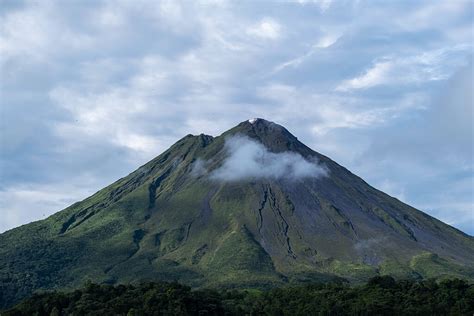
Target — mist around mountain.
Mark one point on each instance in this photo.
(251, 208)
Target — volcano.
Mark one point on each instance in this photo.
(253, 207)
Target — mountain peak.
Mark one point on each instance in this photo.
(259, 120)
(272, 135)
(259, 125)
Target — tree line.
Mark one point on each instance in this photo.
(381, 295)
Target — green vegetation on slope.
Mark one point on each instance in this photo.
(430, 265)
(380, 296)
(240, 260)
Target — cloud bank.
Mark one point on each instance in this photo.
(249, 159)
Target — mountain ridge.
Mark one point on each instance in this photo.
(173, 219)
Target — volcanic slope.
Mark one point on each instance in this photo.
(253, 207)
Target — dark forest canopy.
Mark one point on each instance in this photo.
(380, 296)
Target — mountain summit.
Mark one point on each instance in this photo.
(253, 207)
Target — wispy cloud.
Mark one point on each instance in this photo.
(412, 69)
(267, 28)
(324, 42)
(378, 74)
(249, 159)
(329, 111)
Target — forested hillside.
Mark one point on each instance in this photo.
(380, 296)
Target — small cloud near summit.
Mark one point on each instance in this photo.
(258, 119)
(250, 159)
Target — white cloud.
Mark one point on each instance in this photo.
(378, 74)
(423, 67)
(267, 28)
(249, 159)
(325, 41)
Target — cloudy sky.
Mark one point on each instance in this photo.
(90, 90)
